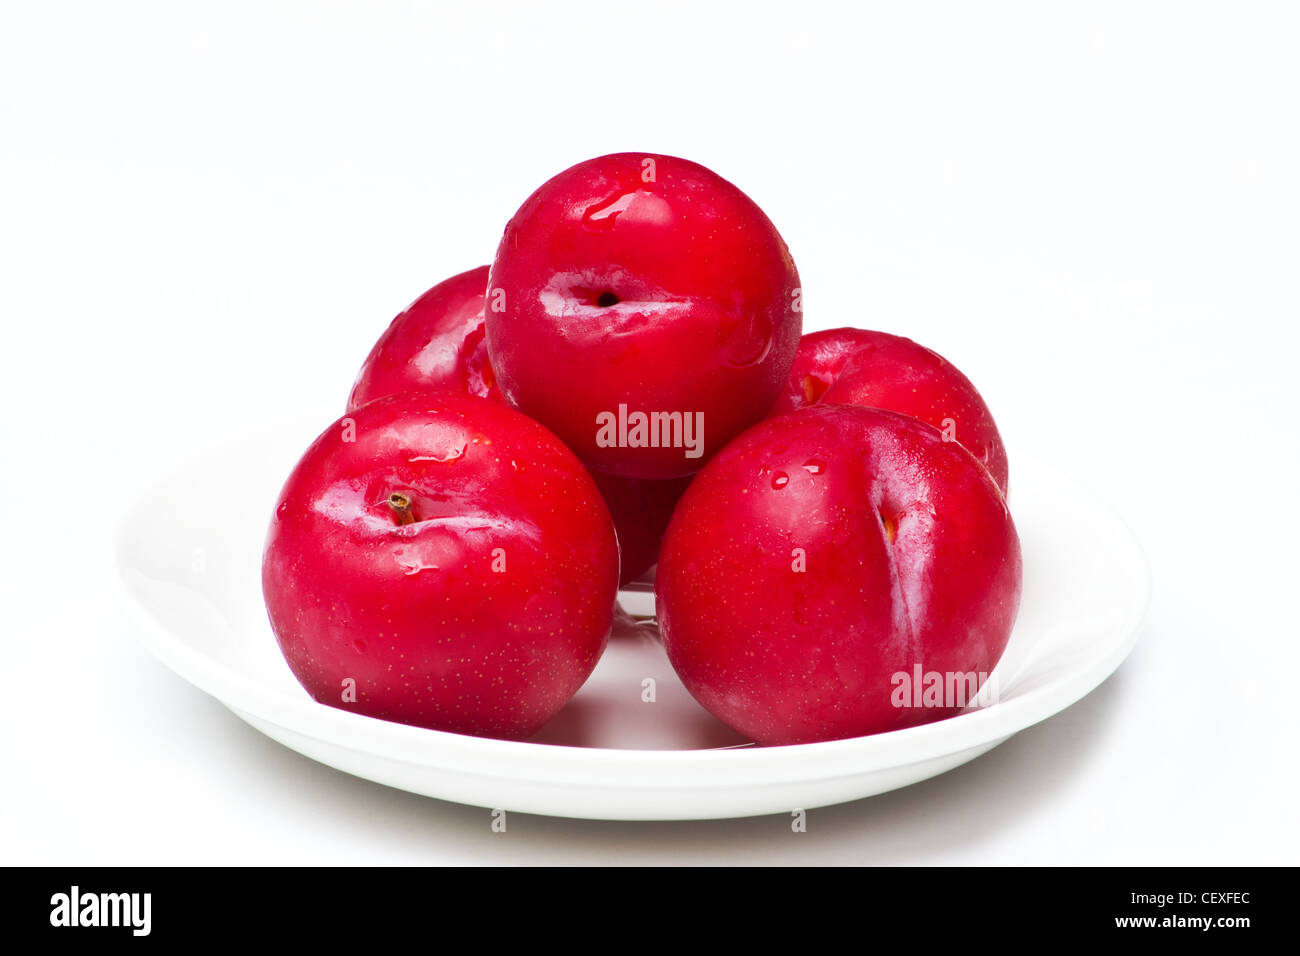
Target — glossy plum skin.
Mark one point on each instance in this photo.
(437, 342)
(649, 281)
(909, 557)
(879, 370)
(486, 611)
(641, 508)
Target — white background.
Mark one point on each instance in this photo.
(208, 213)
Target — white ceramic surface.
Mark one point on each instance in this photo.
(189, 555)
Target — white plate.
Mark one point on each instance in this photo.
(190, 556)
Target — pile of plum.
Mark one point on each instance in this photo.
(625, 392)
